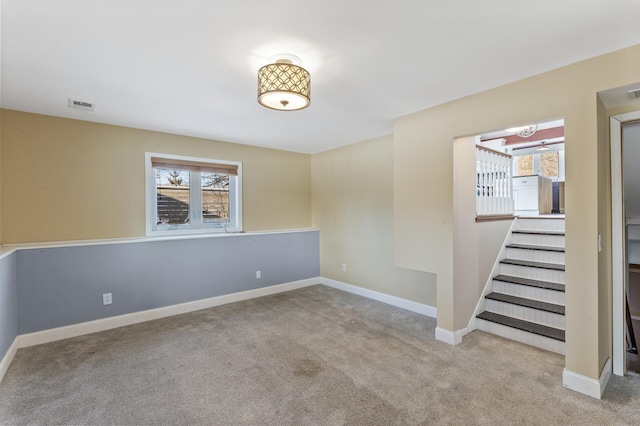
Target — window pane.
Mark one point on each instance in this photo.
(215, 197)
(525, 165)
(172, 192)
(549, 164)
(193, 195)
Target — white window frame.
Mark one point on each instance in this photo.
(195, 225)
(537, 165)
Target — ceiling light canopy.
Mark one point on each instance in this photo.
(284, 85)
(524, 131)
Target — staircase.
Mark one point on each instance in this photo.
(526, 301)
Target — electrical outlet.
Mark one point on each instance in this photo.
(107, 299)
(258, 275)
(344, 267)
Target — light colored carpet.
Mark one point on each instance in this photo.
(315, 356)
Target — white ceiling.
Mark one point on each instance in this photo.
(189, 67)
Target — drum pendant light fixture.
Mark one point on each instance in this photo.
(284, 85)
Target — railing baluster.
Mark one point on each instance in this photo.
(493, 183)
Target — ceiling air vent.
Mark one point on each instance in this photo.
(633, 94)
(81, 105)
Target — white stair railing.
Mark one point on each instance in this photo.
(494, 195)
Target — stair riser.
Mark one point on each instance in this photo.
(528, 292)
(528, 314)
(538, 239)
(521, 336)
(540, 274)
(536, 255)
(541, 224)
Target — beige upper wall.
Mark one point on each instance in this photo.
(72, 180)
(352, 191)
(0, 133)
(423, 204)
(0, 177)
(476, 244)
(604, 222)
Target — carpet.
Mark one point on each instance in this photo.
(314, 356)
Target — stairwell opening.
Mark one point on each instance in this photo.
(509, 266)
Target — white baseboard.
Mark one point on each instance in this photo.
(452, 338)
(409, 305)
(46, 336)
(587, 385)
(8, 357)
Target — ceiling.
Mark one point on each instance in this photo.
(190, 67)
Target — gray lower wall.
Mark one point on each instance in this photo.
(8, 303)
(64, 285)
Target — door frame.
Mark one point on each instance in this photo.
(618, 242)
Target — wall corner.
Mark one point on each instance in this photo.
(451, 337)
(587, 385)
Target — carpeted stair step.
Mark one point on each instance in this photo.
(534, 247)
(543, 265)
(527, 303)
(529, 282)
(541, 330)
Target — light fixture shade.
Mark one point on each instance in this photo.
(542, 146)
(284, 86)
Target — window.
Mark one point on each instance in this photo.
(192, 195)
(543, 164)
(549, 164)
(524, 165)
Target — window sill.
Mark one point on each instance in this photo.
(167, 232)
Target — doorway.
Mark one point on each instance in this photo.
(537, 166)
(625, 218)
